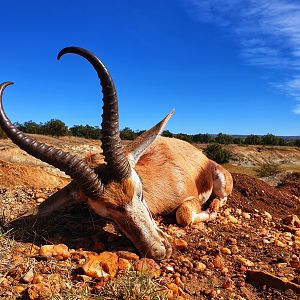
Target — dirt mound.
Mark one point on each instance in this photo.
(214, 264)
(291, 184)
(12, 175)
(252, 194)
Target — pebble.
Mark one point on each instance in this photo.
(180, 244)
(102, 266)
(231, 241)
(281, 265)
(292, 220)
(295, 264)
(199, 266)
(279, 243)
(178, 282)
(267, 215)
(124, 264)
(40, 200)
(246, 215)
(168, 268)
(37, 278)
(60, 251)
(147, 266)
(4, 282)
(28, 277)
(245, 261)
(225, 250)
(128, 255)
(218, 262)
(227, 211)
(232, 219)
(234, 249)
(228, 284)
(18, 289)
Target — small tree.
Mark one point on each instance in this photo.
(217, 153)
(224, 139)
(270, 139)
(202, 138)
(184, 137)
(55, 127)
(252, 140)
(267, 169)
(31, 127)
(127, 134)
(167, 133)
(87, 131)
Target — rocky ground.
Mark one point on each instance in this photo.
(252, 250)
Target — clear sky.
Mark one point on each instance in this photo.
(230, 66)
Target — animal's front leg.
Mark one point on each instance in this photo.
(190, 211)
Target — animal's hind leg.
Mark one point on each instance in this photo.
(190, 212)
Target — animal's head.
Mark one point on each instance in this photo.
(115, 190)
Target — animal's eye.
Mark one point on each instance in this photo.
(139, 193)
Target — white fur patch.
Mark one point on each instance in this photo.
(205, 196)
(220, 184)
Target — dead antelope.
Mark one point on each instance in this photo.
(152, 175)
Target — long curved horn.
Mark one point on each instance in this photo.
(115, 157)
(73, 166)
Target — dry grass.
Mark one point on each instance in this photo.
(132, 285)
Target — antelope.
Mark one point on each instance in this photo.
(153, 175)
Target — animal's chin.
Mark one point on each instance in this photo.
(157, 251)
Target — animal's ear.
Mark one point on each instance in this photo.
(137, 148)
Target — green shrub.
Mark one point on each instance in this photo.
(217, 153)
(267, 169)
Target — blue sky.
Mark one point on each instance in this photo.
(228, 66)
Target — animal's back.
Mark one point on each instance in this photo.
(169, 170)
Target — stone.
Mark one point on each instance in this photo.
(292, 220)
(232, 219)
(279, 243)
(128, 255)
(60, 251)
(218, 262)
(245, 262)
(124, 264)
(147, 266)
(180, 244)
(199, 266)
(28, 277)
(225, 250)
(102, 266)
(267, 215)
(246, 215)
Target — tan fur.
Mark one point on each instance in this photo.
(118, 194)
(173, 170)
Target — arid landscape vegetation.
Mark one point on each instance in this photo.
(252, 250)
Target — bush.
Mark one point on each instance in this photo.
(267, 169)
(224, 139)
(252, 139)
(128, 134)
(217, 153)
(87, 131)
(55, 128)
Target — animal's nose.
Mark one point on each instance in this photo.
(157, 251)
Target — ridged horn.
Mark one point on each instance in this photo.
(117, 163)
(73, 166)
